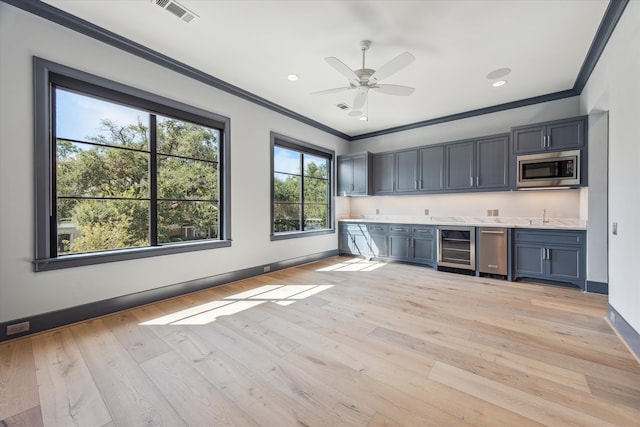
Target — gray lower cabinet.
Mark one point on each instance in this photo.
(353, 238)
(552, 255)
(378, 240)
(549, 136)
(399, 238)
(397, 242)
(423, 244)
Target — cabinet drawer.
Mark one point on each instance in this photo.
(378, 228)
(548, 237)
(423, 230)
(353, 227)
(399, 229)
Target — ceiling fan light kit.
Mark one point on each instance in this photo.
(365, 79)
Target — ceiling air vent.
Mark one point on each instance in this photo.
(343, 106)
(177, 9)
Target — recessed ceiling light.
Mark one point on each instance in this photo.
(293, 77)
(499, 73)
(499, 83)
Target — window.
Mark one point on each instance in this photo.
(122, 173)
(301, 188)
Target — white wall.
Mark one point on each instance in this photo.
(528, 204)
(614, 86)
(24, 293)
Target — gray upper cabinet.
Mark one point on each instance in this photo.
(550, 136)
(431, 168)
(482, 164)
(354, 175)
(406, 171)
(492, 163)
(383, 173)
(460, 166)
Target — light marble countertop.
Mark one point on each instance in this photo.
(489, 221)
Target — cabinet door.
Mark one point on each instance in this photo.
(359, 167)
(359, 244)
(398, 247)
(431, 176)
(424, 250)
(383, 171)
(528, 140)
(407, 171)
(345, 176)
(492, 164)
(378, 245)
(460, 165)
(529, 260)
(566, 135)
(565, 263)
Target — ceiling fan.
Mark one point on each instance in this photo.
(365, 79)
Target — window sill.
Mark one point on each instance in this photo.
(79, 260)
(297, 234)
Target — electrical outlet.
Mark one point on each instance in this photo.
(489, 212)
(612, 317)
(377, 211)
(496, 212)
(266, 268)
(426, 211)
(18, 328)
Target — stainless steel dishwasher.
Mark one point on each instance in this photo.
(492, 253)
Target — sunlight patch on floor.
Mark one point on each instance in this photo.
(210, 311)
(356, 264)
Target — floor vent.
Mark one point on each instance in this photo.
(176, 9)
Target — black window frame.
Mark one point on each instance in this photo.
(304, 148)
(46, 73)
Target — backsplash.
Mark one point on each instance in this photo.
(516, 206)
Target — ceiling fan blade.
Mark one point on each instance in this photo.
(394, 89)
(360, 99)
(393, 66)
(334, 90)
(342, 68)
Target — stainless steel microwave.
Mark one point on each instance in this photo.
(556, 169)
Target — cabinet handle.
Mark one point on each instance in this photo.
(477, 181)
(544, 253)
(470, 181)
(415, 187)
(421, 184)
(548, 254)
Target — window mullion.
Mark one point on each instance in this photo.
(153, 181)
(302, 192)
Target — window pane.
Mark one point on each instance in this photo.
(180, 138)
(285, 160)
(286, 188)
(315, 190)
(315, 217)
(286, 217)
(315, 166)
(180, 178)
(85, 118)
(86, 225)
(180, 221)
(87, 170)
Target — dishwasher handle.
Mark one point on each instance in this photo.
(491, 232)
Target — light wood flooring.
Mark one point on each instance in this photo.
(339, 342)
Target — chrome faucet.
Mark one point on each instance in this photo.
(544, 217)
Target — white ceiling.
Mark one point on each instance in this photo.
(254, 45)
